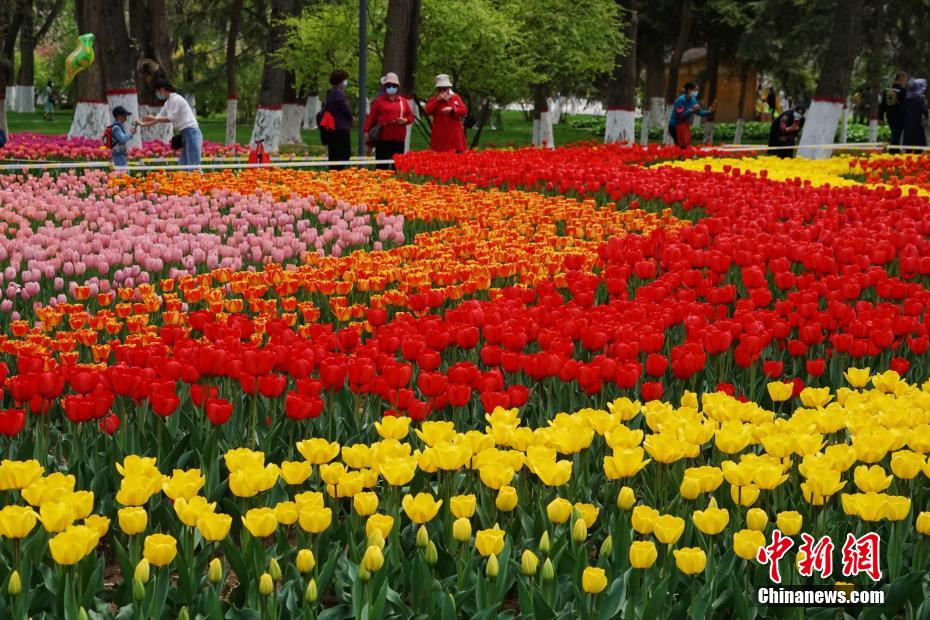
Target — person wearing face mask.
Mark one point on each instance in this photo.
(447, 110)
(684, 108)
(338, 140)
(386, 124)
(178, 112)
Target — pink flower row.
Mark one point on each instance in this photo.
(73, 229)
(38, 146)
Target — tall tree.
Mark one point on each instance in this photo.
(292, 112)
(621, 87)
(33, 12)
(232, 98)
(267, 127)
(118, 59)
(8, 53)
(836, 68)
(875, 62)
(401, 36)
(91, 114)
(681, 44)
(148, 26)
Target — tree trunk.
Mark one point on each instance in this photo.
(741, 104)
(267, 127)
(8, 55)
(401, 35)
(24, 98)
(116, 53)
(148, 26)
(232, 101)
(713, 70)
(833, 85)
(655, 91)
(621, 87)
(485, 117)
(542, 123)
(311, 107)
(875, 63)
(292, 113)
(91, 114)
(674, 63)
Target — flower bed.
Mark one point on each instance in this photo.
(43, 147)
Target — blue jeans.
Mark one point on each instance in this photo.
(193, 144)
(120, 160)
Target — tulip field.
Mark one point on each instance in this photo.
(589, 382)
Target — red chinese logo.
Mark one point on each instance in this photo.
(859, 555)
(770, 554)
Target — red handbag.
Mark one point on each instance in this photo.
(328, 122)
(683, 131)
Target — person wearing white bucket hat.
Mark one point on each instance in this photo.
(386, 124)
(447, 110)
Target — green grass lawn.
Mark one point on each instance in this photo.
(516, 131)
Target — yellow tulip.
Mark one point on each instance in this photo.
(286, 513)
(72, 545)
(81, 503)
(393, 427)
(593, 580)
(461, 529)
(624, 463)
(495, 475)
(260, 522)
(815, 397)
(506, 499)
(668, 529)
(906, 464)
(381, 523)
(923, 523)
(398, 472)
(711, 521)
(136, 490)
(215, 571)
(315, 520)
(553, 473)
(559, 510)
(690, 488)
(871, 479)
(132, 520)
(744, 495)
(17, 521)
(214, 527)
(265, 584)
(644, 519)
(183, 484)
(318, 450)
(305, 561)
(15, 584)
(142, 572)
(756, 519)
(626, 499)
(588, 512)
(365, 504)
(190, 510)
(421, 508)
(643, 554)
(19, 474)
(779, 391)
(159, 549)
(858, 377)
(296, 472)
(373, 560)
(435, 433)
(55, 516)
(52, 487)
(789, 522)
(690, 560)
(489, 541)
(746, 543)
(98, 523)
(463, 506)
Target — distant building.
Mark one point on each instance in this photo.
(694, 69)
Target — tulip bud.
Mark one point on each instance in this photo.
(626, 499)
(376, 539)
(529, 563)
(548, 570)
(274, 569)
(607, 546)
(215, 571)
(756, 519)
(184, 614)
(363, 574)
(432, 555)
(461, 529)
(373, 559)
(15, 585)
(544, 543)
(310, 595)
(82, 614)
(422, 537)
(138, 591)
(579, 531)
(305, 561)
(143, 571)
(492, 568)
(265, 584)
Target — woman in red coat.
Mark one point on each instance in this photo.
(390, 113)
(447, 110)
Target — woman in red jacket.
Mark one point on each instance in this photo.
(386, 123)
(447, 110)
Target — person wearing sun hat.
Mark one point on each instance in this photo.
(447, 110)
(386, 124)
(118, 137)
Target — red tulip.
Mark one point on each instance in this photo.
(110, 424)
(815, 367)
(218, 411)
(652, 390)
(272, 386)
(12, 421)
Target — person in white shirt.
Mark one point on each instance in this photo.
(178, 112)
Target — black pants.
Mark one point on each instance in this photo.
(387, 149)
(339, 146)
(897, 128)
